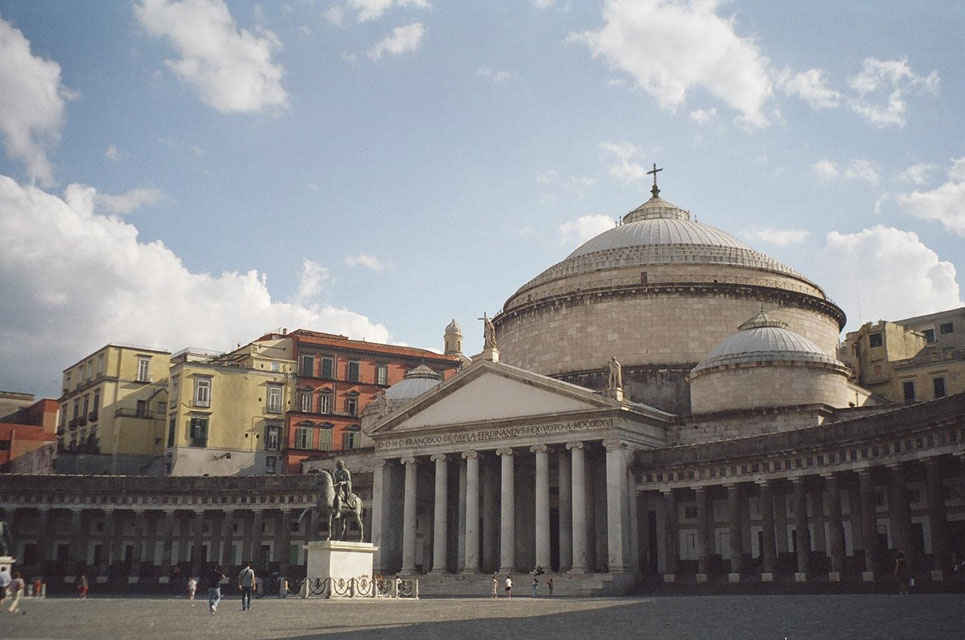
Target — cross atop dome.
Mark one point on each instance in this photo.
(655, 191)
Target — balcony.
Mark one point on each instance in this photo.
(92, 416)
(135, 413)
(73, 423)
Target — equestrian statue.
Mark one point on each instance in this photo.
(336, 501)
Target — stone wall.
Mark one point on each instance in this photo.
(770, 385)
(729, 425)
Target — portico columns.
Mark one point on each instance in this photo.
(835, 526)
(801, 534)
(507, 512)
(378, 506)
(542, 506)
(439, 516)
(578, 472)
(734, 522)
(703, 535)
(670, 530)
(869, 526)
(408, 517)
(899, 513)
(768, 550)
(616, 512)
(565, 511)
(472, 511)
(937, 520)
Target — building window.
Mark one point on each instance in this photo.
(67, 381)
(62, 418)
(273, 437)
(80, 376)
(353, 371)
(305, 401)
(162, 408)
(874, 339)
(275, 365)
(95, 406)
(100, 364)
(350, 440)
(202, 392)
(172, 427)
(939, 386)
(175, 385)
(929, 335)
(352, 406)
(382, 374)
(946, 327)
(199, 431)
(90, 370)
(328, 368)
(325, 439)
(143, 369)
(274, 399)
(86, 410)
(908, 386)
(326, 402)
(303, 438)
(308, 366)
(141, 411)
(271, 465)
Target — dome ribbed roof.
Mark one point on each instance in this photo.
(414, 384)
(764, 339)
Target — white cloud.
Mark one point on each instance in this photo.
(231, 70)
(779, 237)
(363, 260)
(497, 77)
(313, 279)
(945, 203)
(32, 104)
(130, 201)
(112, 153)
(626, 169)
(811, 87)
(917, 173)
(857, 169)
(336, 15)
(367, 10)
(74, 280)
(670, 48)
(825, 169)
(584, 228)
(401, 40)
(703, 116)
(543, 4)
(890, 81)
(889, 274)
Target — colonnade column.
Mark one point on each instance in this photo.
(899, 513)
(44, 529)
(140, 532)
(671, 537)
(472, 511)
(227, 538)
(937, 520)
(578, 494)
(734, 523)
(835, 525)
(869, 522)
(703, 534)
(78, 539)
(408, 517)
(542, 506)
(616, 511)
(439, 531)
(107, 549)
(801, 534)
(507, 512)
(283, 539)
(565, 510)
(768, 548)
(378, 514)
(489, 481)
(167, 561)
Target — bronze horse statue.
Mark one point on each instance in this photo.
(351, 506)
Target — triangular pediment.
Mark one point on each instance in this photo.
(489, 392)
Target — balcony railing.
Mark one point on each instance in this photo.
(134, 413)
(92, 416)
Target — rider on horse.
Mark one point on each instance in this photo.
(343, 488)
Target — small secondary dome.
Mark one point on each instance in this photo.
(453, 328)
(413, 384)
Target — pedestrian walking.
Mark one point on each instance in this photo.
(82, 587)
(509, 586)
(246, 582)
(17, 587)
(214, 587)
(495, 585)
(535, 586)
(192, 587)
(5, 581)
(549, 586)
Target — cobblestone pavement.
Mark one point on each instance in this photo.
(746, 617)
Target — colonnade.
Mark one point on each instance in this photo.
(464, 513)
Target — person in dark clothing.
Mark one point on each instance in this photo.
(246, 582)
(214, 587)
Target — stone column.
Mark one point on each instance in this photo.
(140, 532)
(461, 518)
(408, 517)
(565, 499)
(108, 550)
(169, 528)
(835, 527)
(257, 537)
(869, 523)
(820, 544)
(379, 514)
(801, 535)
(616, 512)
(44, 543)
(937, 519)
(578, 472)
(779, 497)
(472, 511)
(703, 535)
(439, 531)
(734, 523)
(507, 512)
(542, 506)
(78, 540)
(768, 548)
(283, 537)
(489, 479)
(670, 529)
(227, 537)
(899, 513)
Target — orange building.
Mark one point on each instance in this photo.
(336, 378)
(28, 438)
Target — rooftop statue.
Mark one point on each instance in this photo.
(616, 375)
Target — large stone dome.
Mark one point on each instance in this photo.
(658, 292)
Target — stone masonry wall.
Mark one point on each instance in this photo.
(747, 387)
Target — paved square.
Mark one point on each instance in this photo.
(768, 617)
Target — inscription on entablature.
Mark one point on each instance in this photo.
(505, 433)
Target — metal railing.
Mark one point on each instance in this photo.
(361, 587)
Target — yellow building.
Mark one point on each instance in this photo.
(910, 360)
(112, 411)
(227, 411)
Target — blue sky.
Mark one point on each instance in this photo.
(196, 173)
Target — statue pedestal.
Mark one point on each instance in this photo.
(339, 569)
(6, 562)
